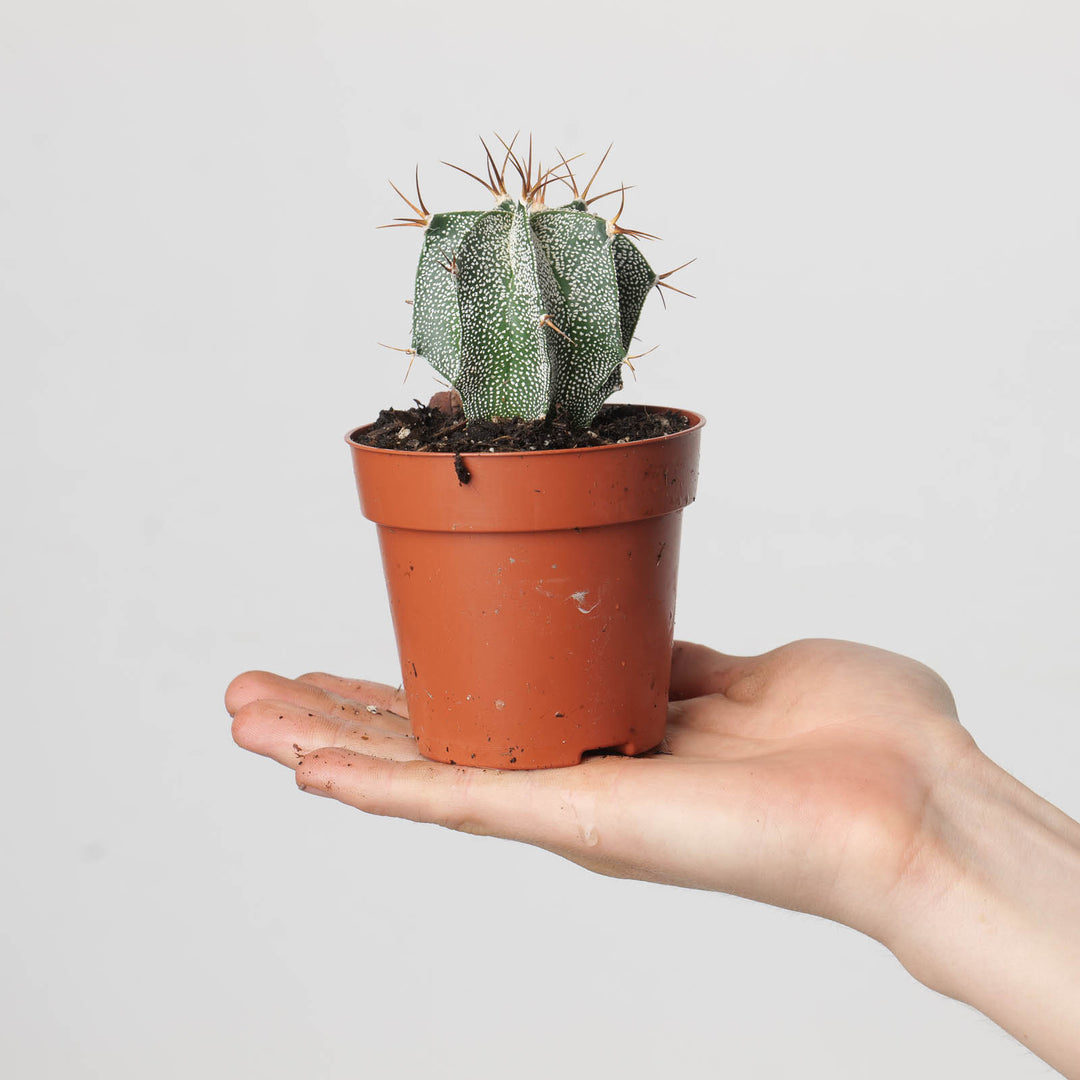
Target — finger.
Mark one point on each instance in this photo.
(249, 687)
(359, 690)
(697, 670)
(286, 732)
(553, 808)
(258, 685)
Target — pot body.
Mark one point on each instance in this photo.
(533, 606)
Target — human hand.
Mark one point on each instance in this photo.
(824, 776)
(799, 778)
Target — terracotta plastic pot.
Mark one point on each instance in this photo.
(534, 606)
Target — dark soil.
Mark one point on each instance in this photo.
(435, 429)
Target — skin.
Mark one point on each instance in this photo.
(824, 776)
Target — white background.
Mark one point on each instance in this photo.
(883, 201)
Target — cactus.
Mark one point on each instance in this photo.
(528, 310)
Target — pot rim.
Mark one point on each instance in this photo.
(697, 422)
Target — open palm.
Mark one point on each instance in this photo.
(803, 777)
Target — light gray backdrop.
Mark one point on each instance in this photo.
(883, 201)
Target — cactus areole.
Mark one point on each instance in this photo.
(528, 310)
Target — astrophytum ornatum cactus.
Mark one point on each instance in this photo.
(528, 310)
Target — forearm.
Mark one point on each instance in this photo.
(991, 909)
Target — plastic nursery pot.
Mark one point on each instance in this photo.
(534, 606)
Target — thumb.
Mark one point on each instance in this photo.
(697, 670)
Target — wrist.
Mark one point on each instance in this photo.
(989, 908)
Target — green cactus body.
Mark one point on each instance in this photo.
(525, 309)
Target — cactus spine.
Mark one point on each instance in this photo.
(526, 309)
